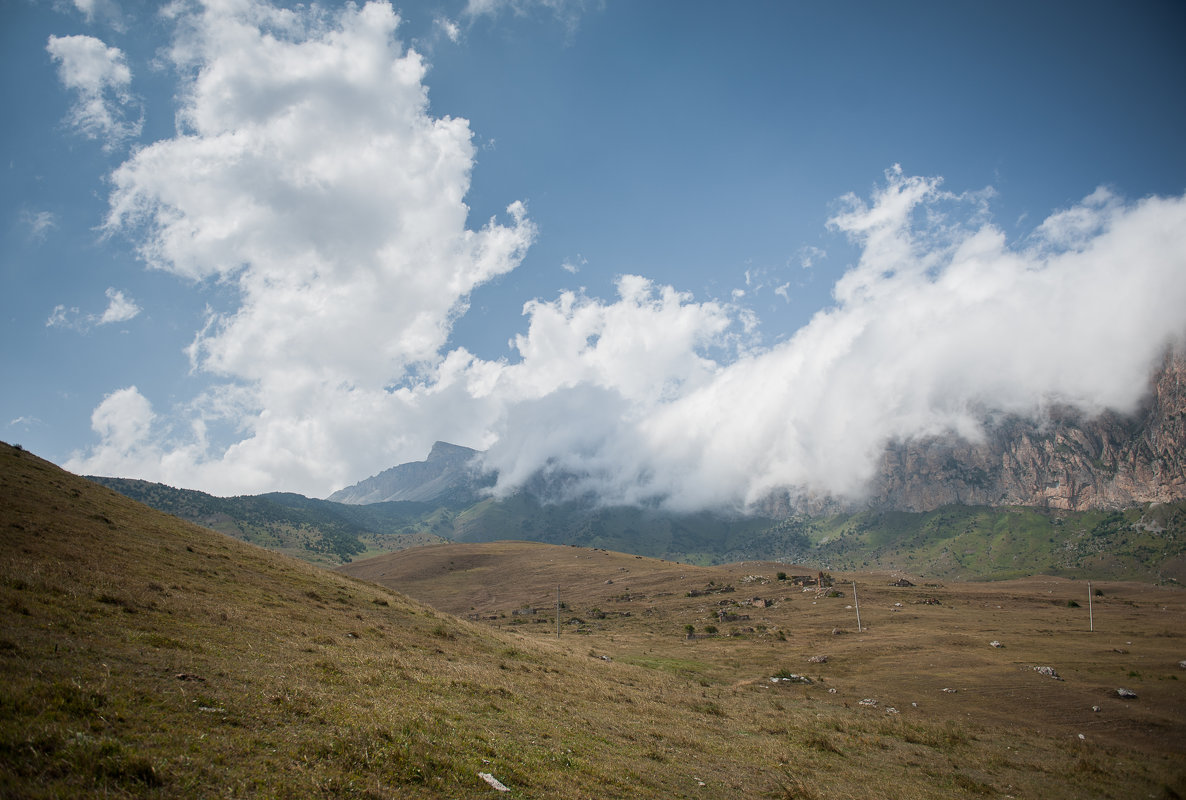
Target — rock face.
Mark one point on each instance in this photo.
(447, 474)
(1067, 461)
(1070, 462)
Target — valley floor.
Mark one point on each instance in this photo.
(960, 656)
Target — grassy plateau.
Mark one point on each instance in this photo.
(144, 656)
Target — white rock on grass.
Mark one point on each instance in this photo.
(493, 781)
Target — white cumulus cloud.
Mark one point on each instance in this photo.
(310, 175)
(311, 179)
(120, 308)
(101, 79)
(940, 323)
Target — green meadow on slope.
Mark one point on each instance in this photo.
(951, 543)
(141, 655)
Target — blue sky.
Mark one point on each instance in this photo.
(695, 251)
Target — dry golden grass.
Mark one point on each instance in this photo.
(908, 652)
(142, 656)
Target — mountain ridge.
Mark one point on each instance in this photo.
(445, 474)
(1067, 461)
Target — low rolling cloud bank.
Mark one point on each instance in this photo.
(941, 323)
(310, 178)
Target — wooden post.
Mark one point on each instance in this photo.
(857, 603)
(1090, 615)
(557, 611)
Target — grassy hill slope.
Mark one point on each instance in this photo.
(145, 656)
(951, 543)
(978, 543)
(646, 532)
(314, 530)
(923, 651)
(142, 655)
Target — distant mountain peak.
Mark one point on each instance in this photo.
(445, 450)
(448, 476)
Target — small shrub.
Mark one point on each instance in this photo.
(821, 743)
(708, 707)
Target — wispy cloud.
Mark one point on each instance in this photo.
(809, 256)
(120, 308)
(568, 12)
(39, 223)
(448, 28)
(101, 80)
(107, 11)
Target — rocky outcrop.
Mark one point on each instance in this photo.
(1066, 462)
(446, 476)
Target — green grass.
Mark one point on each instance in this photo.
(954, 542)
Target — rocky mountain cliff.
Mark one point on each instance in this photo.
(445, 476)
(1066, 462)
(1069, 462)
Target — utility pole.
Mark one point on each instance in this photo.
(557, 611)
(856, 603)
(1090, 615)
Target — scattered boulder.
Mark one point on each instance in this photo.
(791, 678)
(1182, 665)
(868, 701)
(1048, 672)
(1127, 694)
(1096, 709)
(817, 660)
(951, 691)
(901, 582)
(995, 643)
(495, 784)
